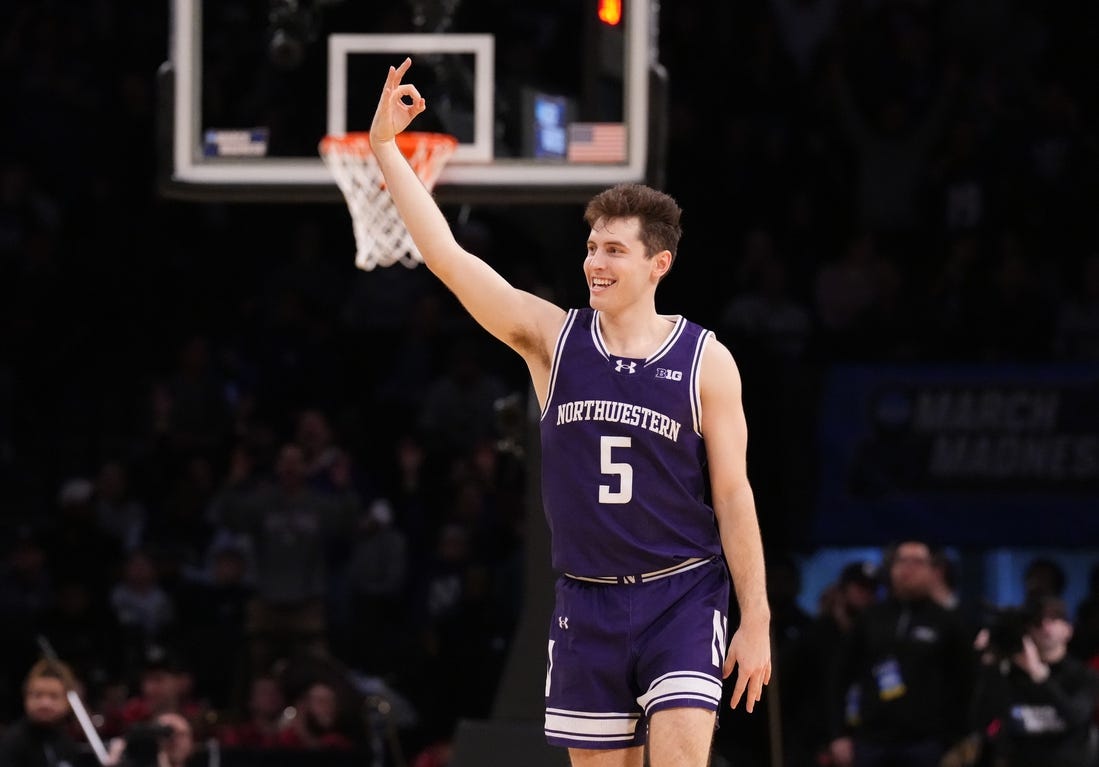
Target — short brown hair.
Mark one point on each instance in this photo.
(1046, 606)
(657, 212)
(51, 669)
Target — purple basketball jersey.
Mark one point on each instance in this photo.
(623, 462)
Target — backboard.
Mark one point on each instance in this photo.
(551, 100)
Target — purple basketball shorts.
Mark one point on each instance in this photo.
(619, 652)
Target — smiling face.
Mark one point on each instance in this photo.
(617, 269)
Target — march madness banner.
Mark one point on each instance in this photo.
(968, 455)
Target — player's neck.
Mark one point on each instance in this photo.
(634, 333)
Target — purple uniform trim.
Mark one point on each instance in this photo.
(619, 653)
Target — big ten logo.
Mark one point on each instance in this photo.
(671, 375)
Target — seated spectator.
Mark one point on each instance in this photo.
(451, 611)
(162, 687)
(458, 408)
(764, 318)
(142, 606)
(848, 293)
(197, 409)
(26, 589)
(41, 737)
(261, 727)
(319, 721)
(75, 543)
(181, 522)
(212, 612)
(289, 526)
(376, 576)
(320, 449)
(118, 511)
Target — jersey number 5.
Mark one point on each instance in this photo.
(623, 471)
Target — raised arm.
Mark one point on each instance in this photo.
(726, 434)
(523, 321)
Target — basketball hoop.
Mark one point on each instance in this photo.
(381, 238)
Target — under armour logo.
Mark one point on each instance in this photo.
(563, 622)
(629, 367)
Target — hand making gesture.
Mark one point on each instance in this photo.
(398, 106)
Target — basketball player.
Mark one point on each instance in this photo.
(640, 412)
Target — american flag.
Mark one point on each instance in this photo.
(597, 142)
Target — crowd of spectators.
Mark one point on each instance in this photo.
(897, 663)
(895, 659)
(225, 454)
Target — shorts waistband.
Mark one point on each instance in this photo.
(655, 575)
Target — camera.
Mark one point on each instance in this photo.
(143, 743)
(1006, 630)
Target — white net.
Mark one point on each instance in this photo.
(381, 238)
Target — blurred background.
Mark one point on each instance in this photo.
(890, 218)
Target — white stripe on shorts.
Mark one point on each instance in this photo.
(682, 685)
(585, 725)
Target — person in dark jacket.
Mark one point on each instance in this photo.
(899, 687)
(41, 737)
(1034, 701)
(840, 604)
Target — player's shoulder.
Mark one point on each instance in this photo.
(716, 352)
(718, 374)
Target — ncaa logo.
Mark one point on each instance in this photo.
(671, 375)
(621, 366)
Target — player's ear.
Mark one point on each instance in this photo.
(661, 263)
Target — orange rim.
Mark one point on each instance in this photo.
(409, 141)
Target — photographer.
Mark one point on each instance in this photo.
(165, 741)
(1033, 700)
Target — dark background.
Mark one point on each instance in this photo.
(895, 182)
(970, 236)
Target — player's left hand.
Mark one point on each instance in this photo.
(750, 652)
